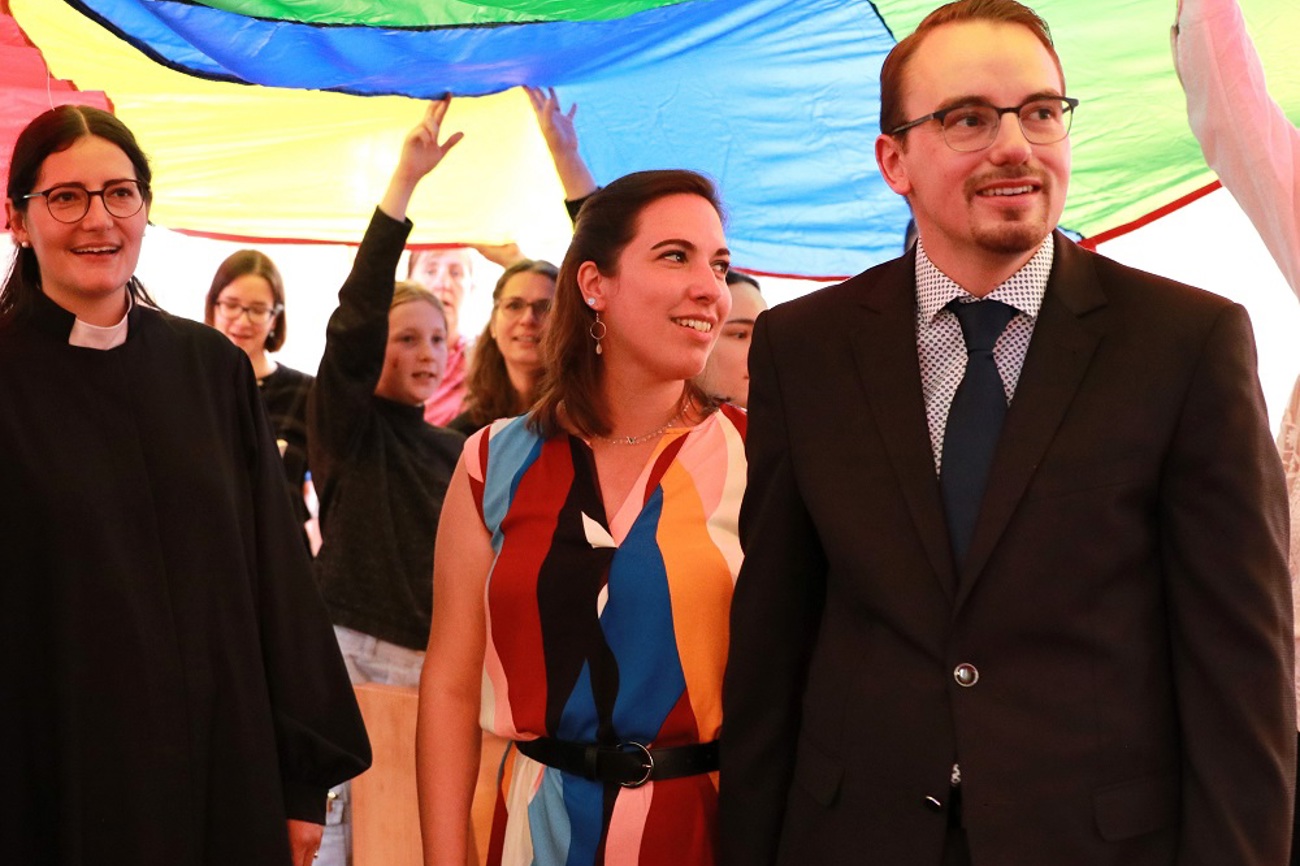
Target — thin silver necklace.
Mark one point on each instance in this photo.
(646, 437)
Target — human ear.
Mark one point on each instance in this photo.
(890, 157)
(17, 224)
(592, 284)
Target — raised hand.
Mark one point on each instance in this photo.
(504, 255)
(562, 141)
(556, 126)
(421, 150)
(421, 153)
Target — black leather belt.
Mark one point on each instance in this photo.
(628, 764)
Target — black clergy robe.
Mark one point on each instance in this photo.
(171, 689)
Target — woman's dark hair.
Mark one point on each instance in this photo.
(734, 277)
(53, 132)
(243, 264)
(572, 371)
(490, 393)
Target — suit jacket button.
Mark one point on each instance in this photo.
(966, 675)
(933, 804)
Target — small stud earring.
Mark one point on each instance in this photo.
(591, 302)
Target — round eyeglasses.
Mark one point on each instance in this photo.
(69, 202)
(258, 314)
(974, 126)
(514, 308)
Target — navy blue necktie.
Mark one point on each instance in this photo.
(974, 420)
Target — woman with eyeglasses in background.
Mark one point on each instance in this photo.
(177, 697)
(507, 362)
(246, 303)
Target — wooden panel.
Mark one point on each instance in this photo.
(385, 811)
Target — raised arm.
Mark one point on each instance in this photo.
(562, 141)
(1245, 136)
(447, 736)
(341, 399)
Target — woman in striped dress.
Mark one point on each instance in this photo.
(586, 558)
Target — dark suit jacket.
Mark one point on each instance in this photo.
(1125, 600)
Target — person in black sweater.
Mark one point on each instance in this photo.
(380, 470)
(246, 303)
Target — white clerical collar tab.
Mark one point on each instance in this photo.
(87, 336)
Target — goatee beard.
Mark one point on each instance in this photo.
(1012, 238)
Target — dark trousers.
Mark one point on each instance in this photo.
(1295, 821)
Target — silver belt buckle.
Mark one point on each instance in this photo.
(649, 763)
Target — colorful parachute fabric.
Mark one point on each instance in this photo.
(280, 118)
(28, 87)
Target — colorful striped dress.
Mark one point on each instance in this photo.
(604, 630)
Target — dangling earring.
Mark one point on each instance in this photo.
(597, 332)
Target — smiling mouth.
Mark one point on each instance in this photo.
(695, 325)
(1008, 190)
(95, 251)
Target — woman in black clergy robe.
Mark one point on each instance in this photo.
(173, 692)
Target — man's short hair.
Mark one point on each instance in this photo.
(996, 11)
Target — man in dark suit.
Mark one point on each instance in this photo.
(1015, 588)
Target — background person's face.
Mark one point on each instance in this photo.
(726, 373)
(416, 354)
(449, 275)
(518, 335)
(254, 292)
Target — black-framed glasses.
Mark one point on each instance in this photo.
(70, 202)
(974, 125)
(258, 314)
(514, 308)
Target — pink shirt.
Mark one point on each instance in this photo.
(1255, 151)
(445, 403)
(1246, 138)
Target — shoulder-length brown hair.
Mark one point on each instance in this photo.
(259, 264)
(489, 392)
(571, 380)
(55, 131)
